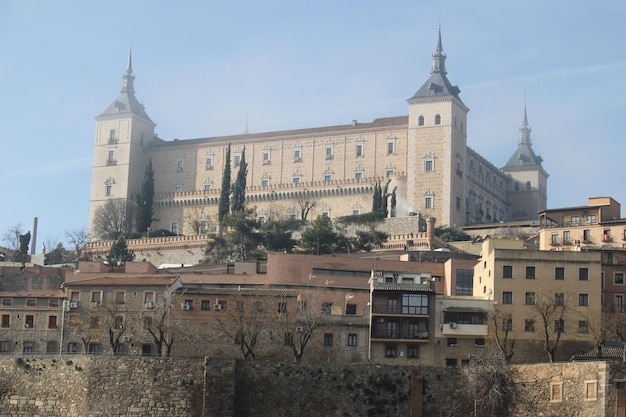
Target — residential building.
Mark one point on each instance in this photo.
(527, 288)
(423, 153)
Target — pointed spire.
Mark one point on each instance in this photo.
(524, 130)
(128, 77)
(439, 58)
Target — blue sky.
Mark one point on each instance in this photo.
(205, 67)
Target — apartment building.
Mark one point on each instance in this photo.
(536, 293)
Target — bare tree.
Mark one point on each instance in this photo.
(77, 240)
(301, 327)
(597, 328)
(551, 309)
(490, 384)
(161, 329)
(306, 205)
(196, 220)
(615, 324)
(11, 238)
(501, 326)
(244, 322)
(112, 324)
(113, 219)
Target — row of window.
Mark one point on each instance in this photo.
(530, 298)
(437, 121)
(32, 302)
(351, 339)
(454, 342)
(559, 272)
(530, 325)
(30, 321)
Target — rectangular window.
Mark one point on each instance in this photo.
(208, 186)
(179, 165)
(174, 228)
(53, 303)
(415, 304)
(108, 190)
(618, 303)
(452, 342)
(147, 322)
(452, 362)
(391, 351)
(575, 220)
(559, 299)
(282, 307)
(583, 326)
(619, 278)
(237, 161)
(328, 152)
(96, 297)
(112, 136)
(507, 271)
(566, 237)
(583, 300)
(529, 325)
(4, 346)
(350, 308)
(507, 297)
(209, 162)
(388, 173)
(297, 155)
(554, 238)
(359, 149)
(29, 321)
(428, 202)
(583, 274)
(358, 175)
(328, 339)
(52, 322)
(530, 298)
(7, 302)
(591, 390)
(556, 392)
(412, 351)
(178, 189)
(428, 165)
(559, 326)
(71, 347)
(352, 339)
(75, 296)
(530, 272)
(120, 297)
(111, 158)
(93, 349)
(559, 273)
(327, 307)
(266, 158)
(587, 235)
(6, 321)
(28, 347)
(465, 282)
(479, 342)
(507, 324)
(295, 180)
(31, 302)
(328, 177)
(390, 147)
(205, 305)
(148, 297)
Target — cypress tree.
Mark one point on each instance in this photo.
(145, 200)
(239, 190)
(383, 199)
(225, 193)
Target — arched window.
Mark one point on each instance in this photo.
(437, 119)
(517, 186)
(528, 186)
(420, 121)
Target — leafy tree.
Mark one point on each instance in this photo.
(377, 199)
(119, 253)
(394, 201)
(145, 200)
(239, 189)
(57, 255)
(490, 384)
(384, 197)
(451, 234)
(224, 203)
(112, 220)
(371, 219)
(277, 235)
(238, 243)
(320, 237)
(366, 239)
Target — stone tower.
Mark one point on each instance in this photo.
(528, 189)
(123, 130)
(436, 148)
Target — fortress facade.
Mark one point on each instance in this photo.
(331, 170)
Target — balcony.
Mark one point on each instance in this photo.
(400, 310)
(464, 329)
(399, 335)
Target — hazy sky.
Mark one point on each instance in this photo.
(205, 67)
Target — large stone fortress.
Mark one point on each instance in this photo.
(424, 154)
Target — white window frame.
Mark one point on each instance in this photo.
(297, 155)
(328, 152)
(208, 163)
(391, 146)
(267, 157)
(265, 182)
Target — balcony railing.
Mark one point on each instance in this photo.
(412, 310)
(400, 334)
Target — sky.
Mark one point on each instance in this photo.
(211, 68)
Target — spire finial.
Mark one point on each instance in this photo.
(128, 77)
(439, 58)
(524, 130)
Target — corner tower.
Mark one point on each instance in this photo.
(437, 146)
(123, 130)
(528, 188)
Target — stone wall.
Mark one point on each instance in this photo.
(84, 386)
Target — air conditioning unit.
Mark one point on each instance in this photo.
(94, 304)
(217, 306)
(149, 305)
(453, 325)
(73, 304)
(186, 306)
